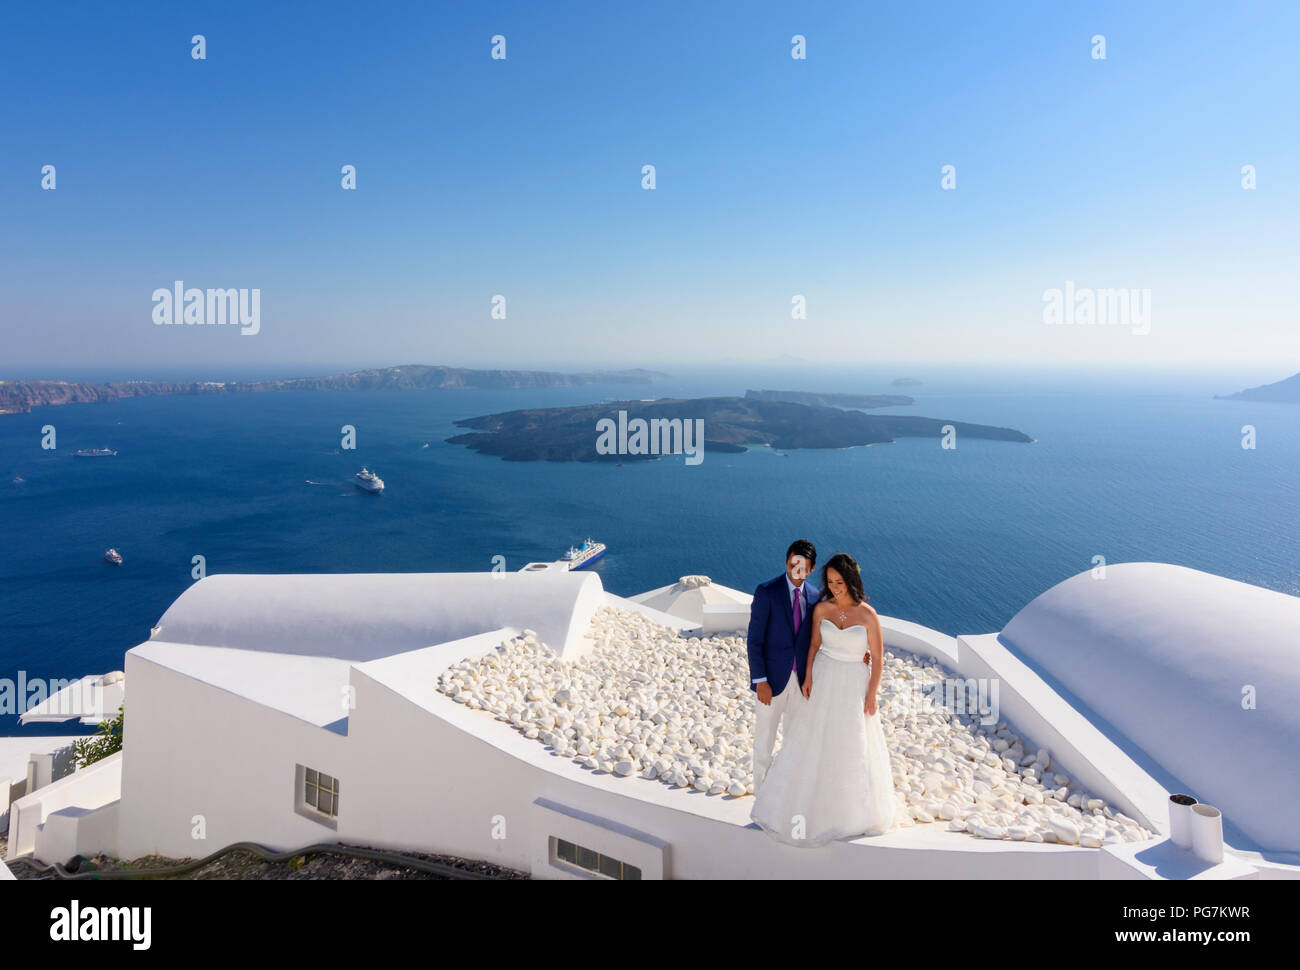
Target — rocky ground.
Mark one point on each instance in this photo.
(245, 865)
(650, 702)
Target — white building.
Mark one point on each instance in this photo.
(260, 699)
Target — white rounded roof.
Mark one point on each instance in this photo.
(1199, 672)
(365, 616)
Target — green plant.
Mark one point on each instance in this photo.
(106, 741)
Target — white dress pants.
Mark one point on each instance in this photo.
(786, 704)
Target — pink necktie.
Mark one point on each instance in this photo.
(794, 665)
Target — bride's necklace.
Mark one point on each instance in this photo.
(843, 618)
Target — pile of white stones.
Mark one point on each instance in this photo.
(694, 582)
(648, 701)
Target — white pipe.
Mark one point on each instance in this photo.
(1180, 820)
(1207, 832)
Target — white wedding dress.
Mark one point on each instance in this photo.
(831, 778)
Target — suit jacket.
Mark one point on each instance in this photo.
(773, 645)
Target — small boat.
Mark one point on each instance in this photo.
(18, 479)
(94, 453)
(368, 481)
(114, 557)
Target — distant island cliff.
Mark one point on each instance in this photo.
(730, 424)
(1285, 392)
(833, 400)
(19, 397)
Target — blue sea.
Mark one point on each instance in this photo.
(1130, 466)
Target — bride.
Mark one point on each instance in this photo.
(831, 778)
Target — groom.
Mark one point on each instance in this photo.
(778, 638)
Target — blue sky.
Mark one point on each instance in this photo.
(522, 177)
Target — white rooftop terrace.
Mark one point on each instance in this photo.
(920, 851)
(1096, 670)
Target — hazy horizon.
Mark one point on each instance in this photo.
(874, 376)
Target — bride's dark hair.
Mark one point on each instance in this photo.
(850, 572)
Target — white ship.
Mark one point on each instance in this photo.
(114, 557)
(575, 558)
(588, 552)
(368, 481)
(94, 453)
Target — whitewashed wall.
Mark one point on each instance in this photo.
(196, 750)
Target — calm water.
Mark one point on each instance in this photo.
(1126, 468)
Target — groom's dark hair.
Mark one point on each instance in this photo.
(802, 547)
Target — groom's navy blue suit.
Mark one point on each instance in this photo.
(774, 647)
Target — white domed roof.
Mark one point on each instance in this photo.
(1200, 673)
(364, 616)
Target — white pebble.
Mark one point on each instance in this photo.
(1065, 830)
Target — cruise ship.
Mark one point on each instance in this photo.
(114, 557)
(588, 552)
(94, 453)
(368, 481)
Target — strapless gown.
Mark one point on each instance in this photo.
(831, 778)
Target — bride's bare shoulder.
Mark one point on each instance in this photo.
(867, 612)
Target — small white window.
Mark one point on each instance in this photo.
(317, 795)
(321, 792)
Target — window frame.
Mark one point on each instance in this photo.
(590, 863)
(307, 780)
